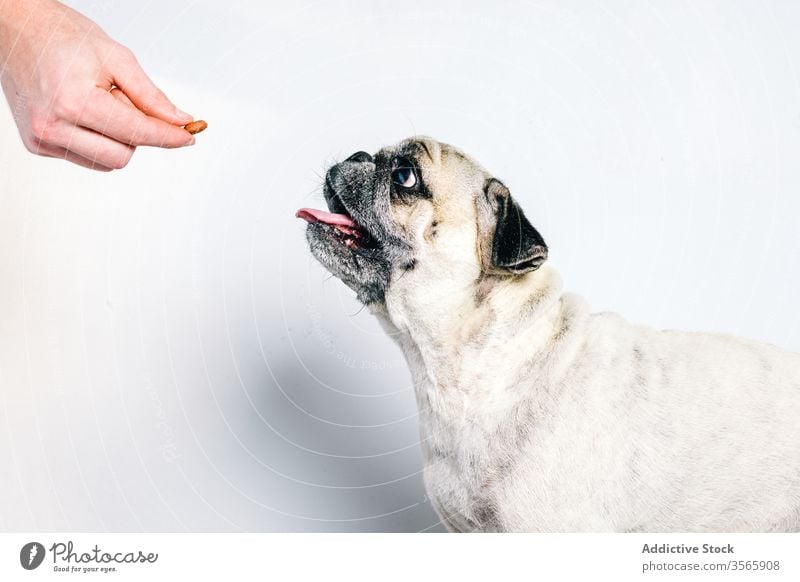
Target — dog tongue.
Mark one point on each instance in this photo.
(314, 215)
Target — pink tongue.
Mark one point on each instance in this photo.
(314, 215)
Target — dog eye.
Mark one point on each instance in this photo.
(404, 176)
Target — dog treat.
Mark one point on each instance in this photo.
(195, 126)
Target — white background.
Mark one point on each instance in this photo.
(172, 359)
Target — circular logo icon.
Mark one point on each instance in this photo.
(31, 555)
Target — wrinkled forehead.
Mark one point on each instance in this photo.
(422, 152)
(427, 153)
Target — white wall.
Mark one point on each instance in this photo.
(172, 358)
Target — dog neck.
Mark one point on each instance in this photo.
(457, 336)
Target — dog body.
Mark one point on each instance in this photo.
(536, 415)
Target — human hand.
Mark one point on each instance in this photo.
(77, 94)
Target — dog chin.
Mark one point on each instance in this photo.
(367, 276)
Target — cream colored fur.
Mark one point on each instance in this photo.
(539, 416)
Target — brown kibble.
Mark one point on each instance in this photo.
(195, 126)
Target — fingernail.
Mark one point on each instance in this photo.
(191, 141)
(180, 113)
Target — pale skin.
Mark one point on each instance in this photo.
(75, 93)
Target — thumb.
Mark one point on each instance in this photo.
(144, 94)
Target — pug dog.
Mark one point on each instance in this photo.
(535, 414)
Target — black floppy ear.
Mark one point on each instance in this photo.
(516, 246)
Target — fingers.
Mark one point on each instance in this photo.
(105, 134)
(120, 96)
(97, 149)
(143, 93)
(113, 114)
(50, 151)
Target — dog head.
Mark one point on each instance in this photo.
(419, 203)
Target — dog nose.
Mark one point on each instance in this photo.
(359, 157)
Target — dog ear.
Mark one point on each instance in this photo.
(510, 244)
